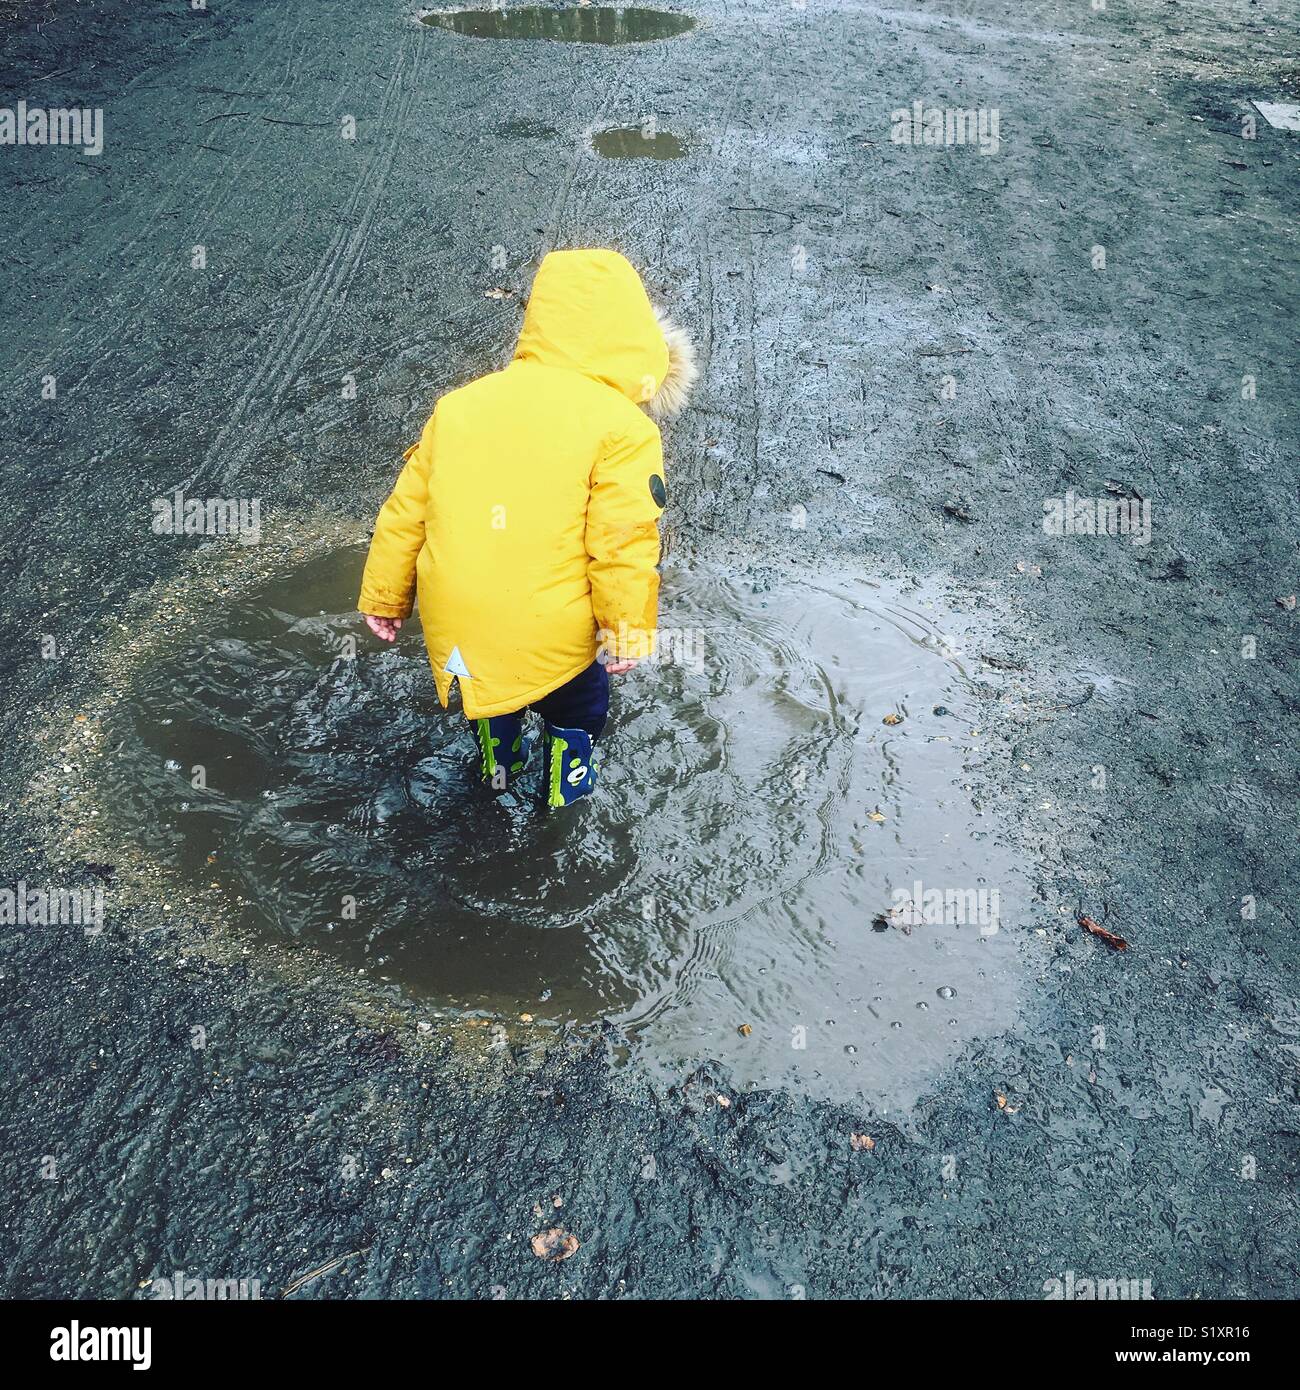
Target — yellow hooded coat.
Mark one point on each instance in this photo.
(526, 518)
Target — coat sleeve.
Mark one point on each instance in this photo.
(388, 584)
(627, 497)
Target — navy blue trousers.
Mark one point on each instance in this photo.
(582, 703)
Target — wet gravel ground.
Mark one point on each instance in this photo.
(1140, 1120)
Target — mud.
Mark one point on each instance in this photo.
(1119, 1115)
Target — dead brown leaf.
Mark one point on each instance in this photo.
(861, 1143)
(1116, 943)
(555, 1244)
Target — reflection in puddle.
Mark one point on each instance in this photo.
(755, 817)
(587, 24)
(634, 142)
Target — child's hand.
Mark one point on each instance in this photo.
(619, 668)
(383, 628)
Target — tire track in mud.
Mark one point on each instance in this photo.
(58, 264)
(580, 159)
(142, 282)
(326, 291)
(467, 326)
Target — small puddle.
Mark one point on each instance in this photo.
(635, 142)
(605, 24)
(755, 817)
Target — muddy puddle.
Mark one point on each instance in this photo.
(606, 24)
(637, 142)
(727, 893)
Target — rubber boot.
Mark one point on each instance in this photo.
(502, 749)
(570, 765)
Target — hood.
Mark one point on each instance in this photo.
(589, 312)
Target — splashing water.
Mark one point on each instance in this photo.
(725, 894)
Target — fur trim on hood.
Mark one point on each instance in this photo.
(675, 389)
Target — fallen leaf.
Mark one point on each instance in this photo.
(876, 816)
(724, 1101)
(555, 1244)
(1002, 1104)
(860, 1142)
(1116, 943)
(744, 1030)
(892, 719)
(525, 1018)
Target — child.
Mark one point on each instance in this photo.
(526, 518)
